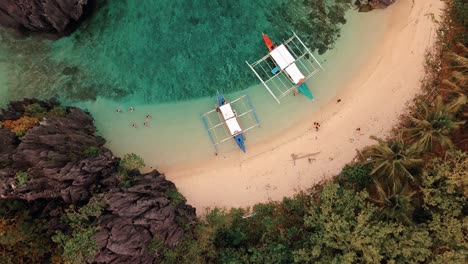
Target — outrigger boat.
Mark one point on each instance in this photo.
(285, 61)
(229, 121)
(290, 61)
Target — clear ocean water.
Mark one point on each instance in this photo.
(168, 58)
(159, 51)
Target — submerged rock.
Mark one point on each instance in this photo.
(49, 16)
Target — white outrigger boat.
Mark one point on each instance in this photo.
(227, 123)
(286, 67)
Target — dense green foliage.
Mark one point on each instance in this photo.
(37, 111)
(79, 245)
(335, 224)
(92, 151)
(22, 177)
(175, 196)
(23, 239)
(461, 11)
(355, 176)
(320, 20)
(131, 162)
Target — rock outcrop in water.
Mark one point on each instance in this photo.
(49, 16)
(65, 164)
(373, 4)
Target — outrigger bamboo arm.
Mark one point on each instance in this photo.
(264, 84)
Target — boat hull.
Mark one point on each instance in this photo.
(220, 97)
(305, 91)
(270, 45)
(239, 137)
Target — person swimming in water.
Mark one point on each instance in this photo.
(118, 110)
(148, 117)
(145, 124)
(132, 109)
(133, 125)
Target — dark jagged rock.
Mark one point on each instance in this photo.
(61, 172)
(17, 109)
(137, 216)
(50, 16)
(374, 4)
(53, 155)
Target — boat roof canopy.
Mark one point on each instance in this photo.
(233, 126)
(226, 110)
(295, 74)
(230, 119)
(282, 56)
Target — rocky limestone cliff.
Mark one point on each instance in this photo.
(61, 172)
(139, 215)
(53, 155)
(50, 16)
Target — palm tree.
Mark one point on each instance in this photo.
(458, 79)
(432, 125)
(460, 61)
(456, 83)
(392, 159)
(394, 201)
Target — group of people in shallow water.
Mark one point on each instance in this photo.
(148, 117)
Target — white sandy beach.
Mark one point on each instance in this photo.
(372, 101)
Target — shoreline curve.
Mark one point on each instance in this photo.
(371, 104)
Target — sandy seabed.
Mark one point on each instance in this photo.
(371, 104)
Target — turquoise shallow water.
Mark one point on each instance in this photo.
(167, 50)
(176, 135)
(112, 61)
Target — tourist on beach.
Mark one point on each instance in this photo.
(148, 117)
(118, 110)
(145, 124)
(339, 100)
(133, 125)
(132, 109)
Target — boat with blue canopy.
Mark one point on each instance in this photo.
(227, 119)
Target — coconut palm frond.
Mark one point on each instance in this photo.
(459, 78)
(450, 86)
(394, 201)
(457, 104)
(462, 47)
(457, 59)
(392, 158)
